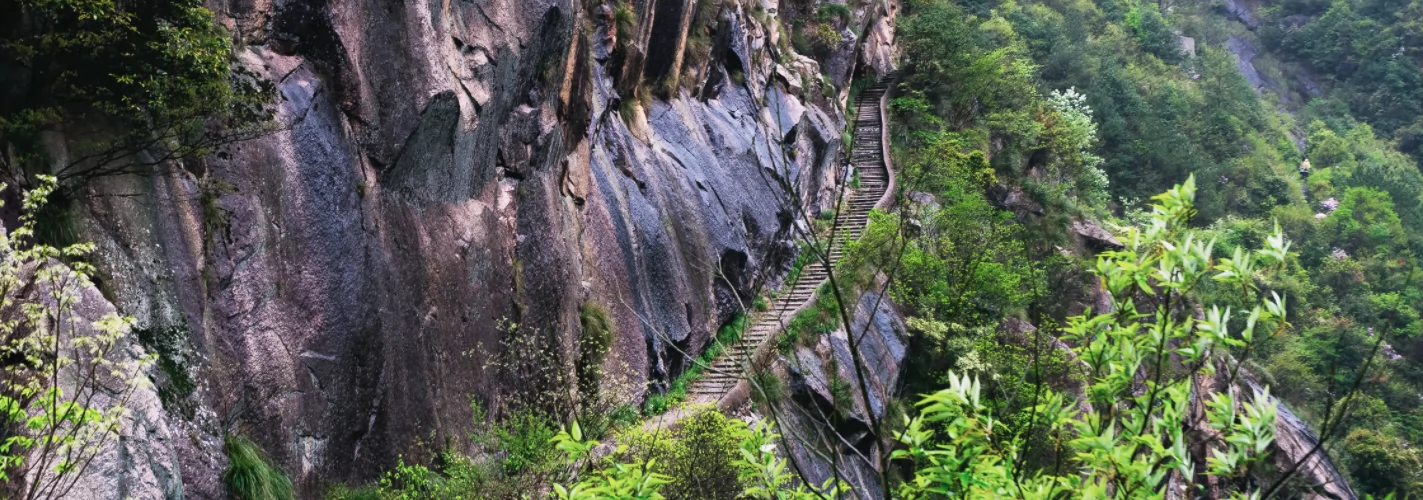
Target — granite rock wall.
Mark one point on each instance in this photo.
(448, 175)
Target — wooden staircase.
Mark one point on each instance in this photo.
(867, 158)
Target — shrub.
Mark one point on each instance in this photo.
(157, 72)
(827, 35)
(714, 457)
(810, 323)
(702, 463)
(344, 492)
(1381, 464)
(1133, 432)
(250, 474)
(834, 12)
(524, 438)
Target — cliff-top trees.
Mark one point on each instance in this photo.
(131, 84)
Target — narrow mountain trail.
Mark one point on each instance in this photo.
(875, 181)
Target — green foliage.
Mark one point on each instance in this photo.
(524, 438)
(1381, 464)
(459, 479)
(1077, 135)
(1363, 48)
(710, 456)
(514, 456)
(1364, 224)
(593, 348)
(825, 35)
(412, 481)
(699, 456)
(1133, 432)
(67, 379)
(967, 264)
(820, 318)
(1153, 32)
(804, 257)
(625, 19)
(156, 73)
(952, 62)
(1156, 122)
(767, 387)
(834, 12)
(250, 474)
(624, 481)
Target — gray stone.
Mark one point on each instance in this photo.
(1092, 236)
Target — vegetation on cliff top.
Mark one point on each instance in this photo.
(131, 84)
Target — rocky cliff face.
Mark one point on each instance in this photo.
(445, 170)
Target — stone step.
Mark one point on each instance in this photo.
(866, 155)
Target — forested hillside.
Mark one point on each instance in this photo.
(1166, 107)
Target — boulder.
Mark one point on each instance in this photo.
(1093, 237)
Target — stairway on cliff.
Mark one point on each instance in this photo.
(867, 158)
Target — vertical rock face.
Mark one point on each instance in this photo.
(337, 289)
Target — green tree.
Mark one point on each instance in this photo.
(1130, 440)
(133, 84)
(66, 380)
(1153, 32)
(1380, 464)
(1365, 224)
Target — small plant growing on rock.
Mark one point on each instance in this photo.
(625, 19)
(251, 475)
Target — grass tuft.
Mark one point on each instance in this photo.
(251, 475)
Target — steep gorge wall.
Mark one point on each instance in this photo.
(338, 290)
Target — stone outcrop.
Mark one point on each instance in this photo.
(818, 444)
(447, 175)
(1091, 236)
